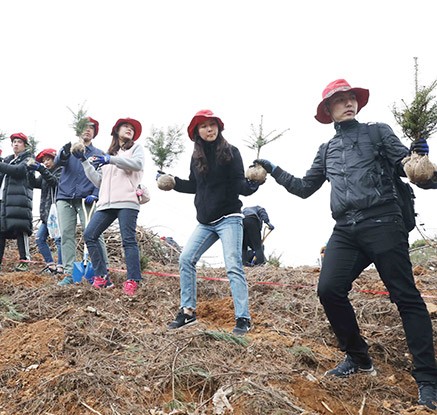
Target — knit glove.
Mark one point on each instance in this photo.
(90, 199)
(267, 165)
(99, 161)
(66, 151)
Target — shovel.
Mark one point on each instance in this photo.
(84, 268)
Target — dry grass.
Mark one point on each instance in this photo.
(80, 351)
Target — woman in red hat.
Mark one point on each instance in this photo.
(117, 174)
(48, 183)
(16, 200)
(216, 179)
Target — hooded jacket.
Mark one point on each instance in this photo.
(216, 192)
(17, 195)
(360, 189)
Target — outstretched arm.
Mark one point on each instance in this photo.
(302, 187)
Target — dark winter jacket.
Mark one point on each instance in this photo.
(73, 183)
(360, 189)
(257, 212)
(217, 192)
(17, 194)
(48, 183)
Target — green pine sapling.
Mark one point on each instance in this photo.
(418, 121)
(165, 147)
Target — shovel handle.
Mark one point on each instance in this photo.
(87, 216)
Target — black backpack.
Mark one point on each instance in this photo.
(404, 191)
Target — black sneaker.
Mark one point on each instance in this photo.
(349, 367)
(242, 326)
(182, 320)
(427, 394)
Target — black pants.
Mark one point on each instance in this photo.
(22, 244)
(351, 248)
(252, 239)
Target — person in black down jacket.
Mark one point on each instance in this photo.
(16, 200)
(216, 179)
(369, 229)
(47, 181)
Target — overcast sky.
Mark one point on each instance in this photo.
(162, 61)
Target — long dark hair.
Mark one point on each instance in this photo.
(115, 145)
(223, 152)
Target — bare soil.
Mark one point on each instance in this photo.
(77, 350)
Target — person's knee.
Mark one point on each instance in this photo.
(186, 259)
(87, 236)
(326, 293)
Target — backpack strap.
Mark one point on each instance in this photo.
(378, 149)
(375, 138)
(323, 154)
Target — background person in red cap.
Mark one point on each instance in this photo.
(74, 187)
(117, 174)
(216, 179)
(16, 200)
(47, 181)
(369, 229)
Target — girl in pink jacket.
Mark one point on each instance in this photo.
(117, 174)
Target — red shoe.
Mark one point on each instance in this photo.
(130, 287)
(102, 282)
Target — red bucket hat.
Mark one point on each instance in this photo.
(340, 85)
(136, 124)
(46, 152)
(92, 121)
(20, 136)
(201, 116)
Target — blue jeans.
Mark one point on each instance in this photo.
(100, 221)
(41, 242)
(230, 232)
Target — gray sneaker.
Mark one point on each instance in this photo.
(22, 267)
(68, 279)
(242, 326)
(427, 394)
(349, 367)
(182, 320)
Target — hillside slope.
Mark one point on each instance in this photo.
(77, 350)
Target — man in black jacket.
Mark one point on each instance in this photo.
(16, 200)
(369, 229)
